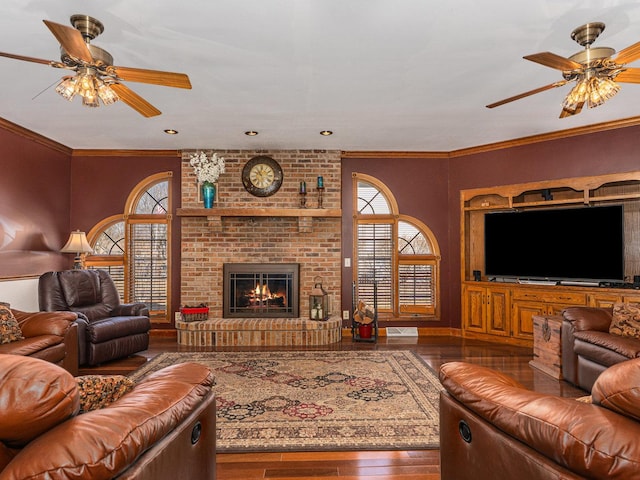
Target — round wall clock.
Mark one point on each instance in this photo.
(262, 176)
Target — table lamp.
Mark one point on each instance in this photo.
(79, 245)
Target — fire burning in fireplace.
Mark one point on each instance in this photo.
(262, 294)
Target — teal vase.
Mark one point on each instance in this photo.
(208, 194)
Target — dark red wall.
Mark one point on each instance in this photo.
(34, 206)
(420, 186)
(101, 184)
(612, 151)
(429, 189)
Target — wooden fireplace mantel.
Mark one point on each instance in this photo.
(259, 212)
(304, 215)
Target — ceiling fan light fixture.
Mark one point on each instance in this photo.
(67, 88)
(89, 86)
(90, 101)
(602, 89)
(106, 93)
(593, 91)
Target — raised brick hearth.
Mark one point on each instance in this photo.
(255, 332)
(216, 237)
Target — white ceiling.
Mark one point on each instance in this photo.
(407, 75)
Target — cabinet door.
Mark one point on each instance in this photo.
(474, 309)
(608, 299)
(522, 318)
(630, 299)
(498, 311)
(603, 299)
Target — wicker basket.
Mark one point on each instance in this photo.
(194, 314)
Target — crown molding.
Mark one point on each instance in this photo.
(489, 147)
(125, 153)
(35, 137)
(545, 137)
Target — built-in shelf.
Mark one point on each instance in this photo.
(504, 312)
(259, 212)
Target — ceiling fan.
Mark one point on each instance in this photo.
(96, 78)
(594, 70)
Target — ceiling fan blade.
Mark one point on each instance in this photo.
(630, 75)
(71, 40)
(155, 77)
(526, 94)
(552, 60)
(134, 100)
(628, 55)
(30, 59)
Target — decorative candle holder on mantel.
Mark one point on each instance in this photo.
(303, 194)
(320, 189)
(320, 193)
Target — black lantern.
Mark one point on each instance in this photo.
(318, 301)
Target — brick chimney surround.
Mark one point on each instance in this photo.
(242, 228)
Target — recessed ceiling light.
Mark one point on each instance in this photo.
(326, 133)
(170, 131)
(251, 133)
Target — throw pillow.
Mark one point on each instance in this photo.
(98, 391)
(9, 327)
(626, 320)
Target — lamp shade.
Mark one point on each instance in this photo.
(77, 243)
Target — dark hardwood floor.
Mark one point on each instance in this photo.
(392, 465)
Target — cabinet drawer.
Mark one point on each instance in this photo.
(564, 298)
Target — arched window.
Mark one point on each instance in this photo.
(108, 243)
(396, 251)
(134, 247)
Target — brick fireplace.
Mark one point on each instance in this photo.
(242, 228)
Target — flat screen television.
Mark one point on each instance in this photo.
(575, 244)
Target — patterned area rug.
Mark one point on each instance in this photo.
(319, 400)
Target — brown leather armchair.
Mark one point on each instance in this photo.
(50, 336)
(162, 428)
(588, 348)
(493, 427)
(107, 329)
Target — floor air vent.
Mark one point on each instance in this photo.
(402, 331)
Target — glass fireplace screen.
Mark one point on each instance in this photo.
(261, 290)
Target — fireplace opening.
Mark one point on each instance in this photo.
(260, 290)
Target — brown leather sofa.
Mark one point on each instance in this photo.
(588, 348)
(107, 329)
(50, 336)
(492, 427)
(164, 428)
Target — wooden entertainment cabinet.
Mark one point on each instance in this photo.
(493, 310)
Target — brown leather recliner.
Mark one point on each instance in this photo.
(163, 428)
(588, 348)
(493, 427)
(107, 329)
